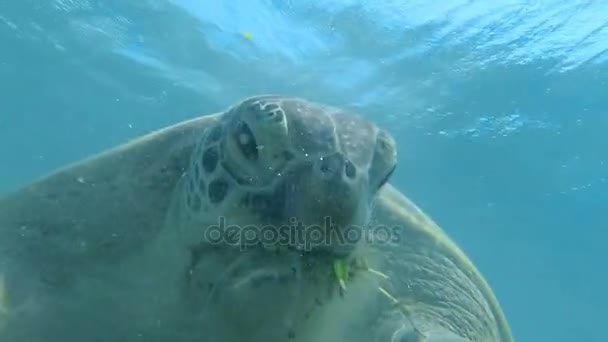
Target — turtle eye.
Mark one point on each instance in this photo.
(246, 141)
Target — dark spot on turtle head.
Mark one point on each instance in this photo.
(217, 190)
(210, 159)
(291, 334)
(246, 141)
(215, 134)
(350, 169)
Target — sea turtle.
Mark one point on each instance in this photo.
(271, 221)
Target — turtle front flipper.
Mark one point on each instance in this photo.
(74, 241)
(409, 334)
(434, 286)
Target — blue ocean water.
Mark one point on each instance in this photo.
(499, 109)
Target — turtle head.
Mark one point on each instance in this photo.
(286, 172)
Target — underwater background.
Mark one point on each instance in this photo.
(499, 109)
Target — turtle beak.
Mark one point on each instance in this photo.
(328, 208)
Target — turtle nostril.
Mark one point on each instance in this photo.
(325, 165)
(270, 112)
(350, 169)
(328, 165)
(275, 115)
(271, 107)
